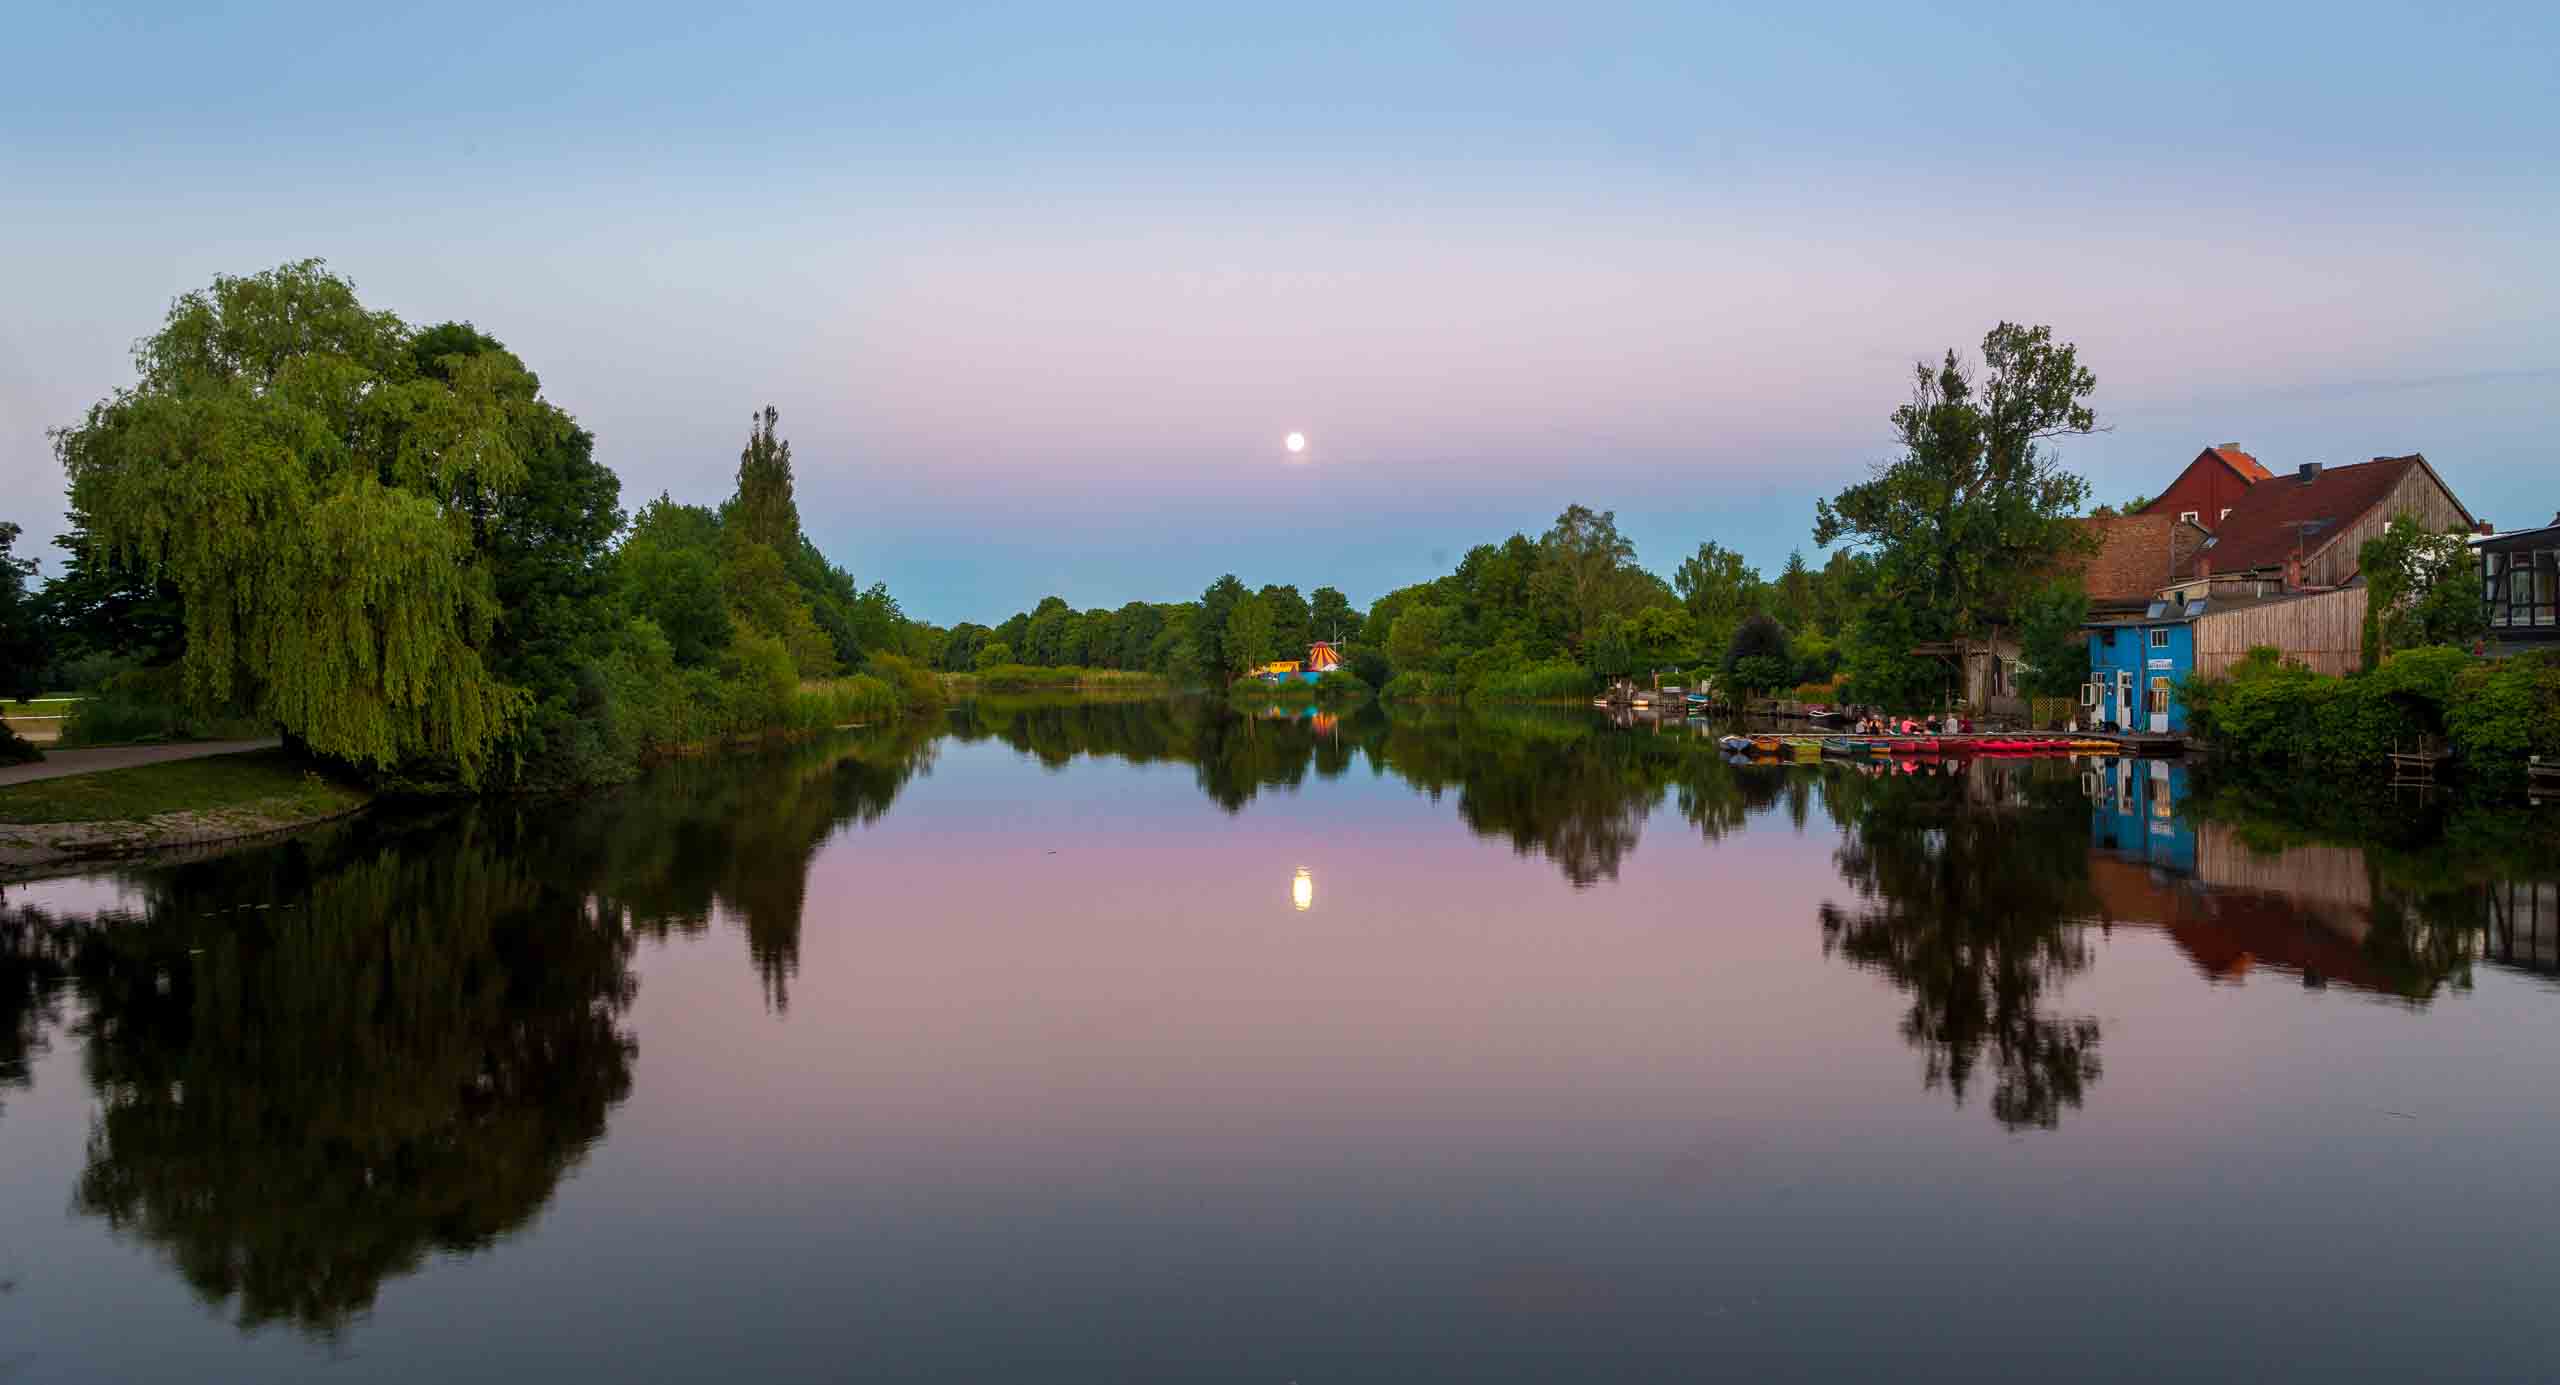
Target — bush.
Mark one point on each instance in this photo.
(15, 749)
(1550, 680)
(1417, 686)
(910, 683)
(2503, 711)
(834, 702)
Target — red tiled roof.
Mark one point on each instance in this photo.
(2230, 455)
(2275, 518)
(2136, 553)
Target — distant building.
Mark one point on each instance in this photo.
(2520, 580)
(1321, 659)
(2209, 488)
(2306, 529)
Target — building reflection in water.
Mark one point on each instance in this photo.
(1302, 890)
(2234, 900)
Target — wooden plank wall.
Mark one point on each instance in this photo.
(2332, 883)
(2325, 632)
(2417, 494)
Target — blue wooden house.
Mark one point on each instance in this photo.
(2135, 663)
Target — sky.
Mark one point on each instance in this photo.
(1039, 290)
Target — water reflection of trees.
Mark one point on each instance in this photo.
(1971, 889)
(318, 1063)
(1554, 784)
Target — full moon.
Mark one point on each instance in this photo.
(1295, 442)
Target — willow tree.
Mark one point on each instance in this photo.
(284, 463)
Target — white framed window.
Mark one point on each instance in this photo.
(2226, 514)
(2159, 699)
(2190, 516)
(2088, 694)
(2159, 636)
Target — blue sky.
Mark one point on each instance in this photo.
(1039, 289)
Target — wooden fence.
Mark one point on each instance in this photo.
(2324, 631)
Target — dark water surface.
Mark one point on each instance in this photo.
(1020, 1049)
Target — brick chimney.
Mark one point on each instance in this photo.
(2310, 472)
(2293, 572)
(2485, 527)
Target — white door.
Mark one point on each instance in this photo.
(2123, 717)
(2159, 706)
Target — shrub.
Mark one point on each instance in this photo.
(1550, 680)
(2503, 711)
(837, 702)
(910, 683)
(1416, 686)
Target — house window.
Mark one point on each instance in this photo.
(2088, 694)
(2159, 636)
(2226, 514)
(2159, 699)
(2189, 516)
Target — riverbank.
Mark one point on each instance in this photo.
(154, 807)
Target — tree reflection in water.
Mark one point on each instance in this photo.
(1972, 890)
(318, 1063)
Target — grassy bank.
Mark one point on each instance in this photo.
(1015, 678)
(1331, 689)
(270, 782)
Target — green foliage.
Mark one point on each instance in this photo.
(914, 686)
(1878, 659)
(2503, 711)
(151, 706)
(2051, 643)
(763, 510)
(834, 702)
(1417, 641)
(1249, 642)
(1758, 658)
(1548, 681)
(24, 651)
(994, 656)
(2423, 588)
(1418, 686)
(313, 496)
(1720, 590)
(1977, 505)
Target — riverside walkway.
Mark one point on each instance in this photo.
(58, 764)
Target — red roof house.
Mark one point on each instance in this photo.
(2306, 528)
(2210, 487)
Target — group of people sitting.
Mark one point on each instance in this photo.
(1870, 722)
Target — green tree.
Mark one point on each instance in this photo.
(2423, 588)
(1249, 634)
(1758, 658)
(1978, 504)
(1791, 596)
(1209, 631)
(1584, 568)
(282, 461)
(23, 652)
(764, 511)
(1661, 637)
(669, 573)
(2053, 649)
(1290, 619)
(1331, 616)
(995, 655)
(1418, 639)
(1719, 589)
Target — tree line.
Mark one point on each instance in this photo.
(385, 542)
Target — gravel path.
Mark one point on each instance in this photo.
(58, 763)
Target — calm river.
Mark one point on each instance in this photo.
(1145, 1041)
